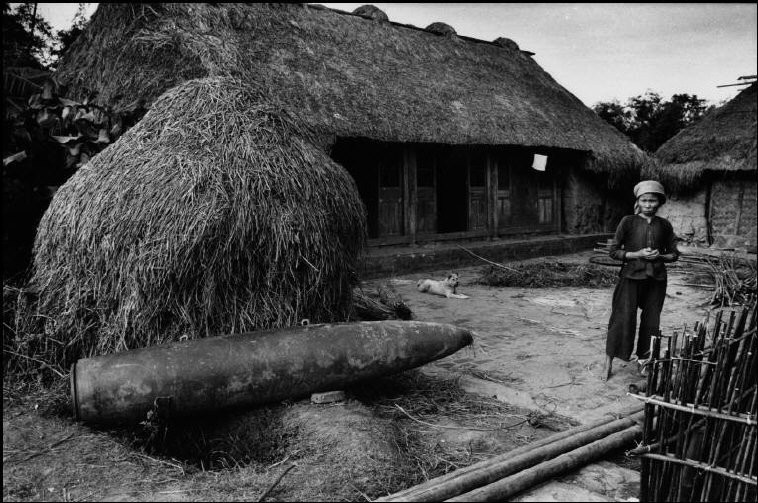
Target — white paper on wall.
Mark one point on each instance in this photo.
(539, 162)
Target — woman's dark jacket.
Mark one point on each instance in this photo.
(634, 233)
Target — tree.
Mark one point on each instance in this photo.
(648, 121)
(614, 114)
(27, 37)
(67, 37)
(29, 41)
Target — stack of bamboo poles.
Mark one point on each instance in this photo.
(503, 476)
(703, 390)
(732, 279)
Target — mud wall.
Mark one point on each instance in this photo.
(733, 212)
(688, 215)
(590, 206)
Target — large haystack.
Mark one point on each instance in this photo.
(214, 214)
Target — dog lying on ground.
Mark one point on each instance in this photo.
(445, 288)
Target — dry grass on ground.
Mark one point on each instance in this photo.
(549, 275)
(390, 434)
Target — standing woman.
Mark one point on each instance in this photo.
(644, 242)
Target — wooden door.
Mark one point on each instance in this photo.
(503, 194)
(546, 205)
(477, 184)
(390, 199)
(426, 194)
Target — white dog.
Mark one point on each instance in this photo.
(445, 288)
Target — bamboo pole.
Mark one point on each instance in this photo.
(647, 429)
(485, 472)
(750, 466)
(504, 488)
(705, 393)
(702, 466)
(646, 448)
(748, 419)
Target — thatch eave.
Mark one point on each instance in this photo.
(342, 74)
(723, 141)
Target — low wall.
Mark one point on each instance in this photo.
(390, 261)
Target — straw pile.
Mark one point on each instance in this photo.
(214, 214)
(548, 275)
(384, 303)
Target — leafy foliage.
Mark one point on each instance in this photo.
(648, 120)
(30, 41)
(27, 37)
(67, 37)
(46, 138)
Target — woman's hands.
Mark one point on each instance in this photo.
(644, 254)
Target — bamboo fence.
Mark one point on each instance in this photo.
(702, 396)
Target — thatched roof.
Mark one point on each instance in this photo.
(724, 140)
(214, 214)
(344, 74)
(371, 12)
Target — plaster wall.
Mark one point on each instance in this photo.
(733, 212)
(589, 206)
(688, 215)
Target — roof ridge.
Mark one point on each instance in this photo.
(412, 27)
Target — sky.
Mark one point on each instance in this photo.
(598, 51)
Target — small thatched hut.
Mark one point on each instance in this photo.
(438, 130)
(214, 214)
(710, 170)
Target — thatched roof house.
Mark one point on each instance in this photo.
(415, 115)
(710, 168)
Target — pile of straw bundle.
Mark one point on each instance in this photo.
(214, 214)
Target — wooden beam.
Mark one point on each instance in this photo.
(559, 204)
(410, 195)
(492, 183)
(740, 199)
(737, 84)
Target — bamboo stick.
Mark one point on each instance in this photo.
(702, 466)
(725, 378)
(647, 429)
(748, 419)
(700, 392)
(488, 471)
(751, 465)
(504, 488)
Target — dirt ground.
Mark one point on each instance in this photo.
(538, 353)
(542, 348)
